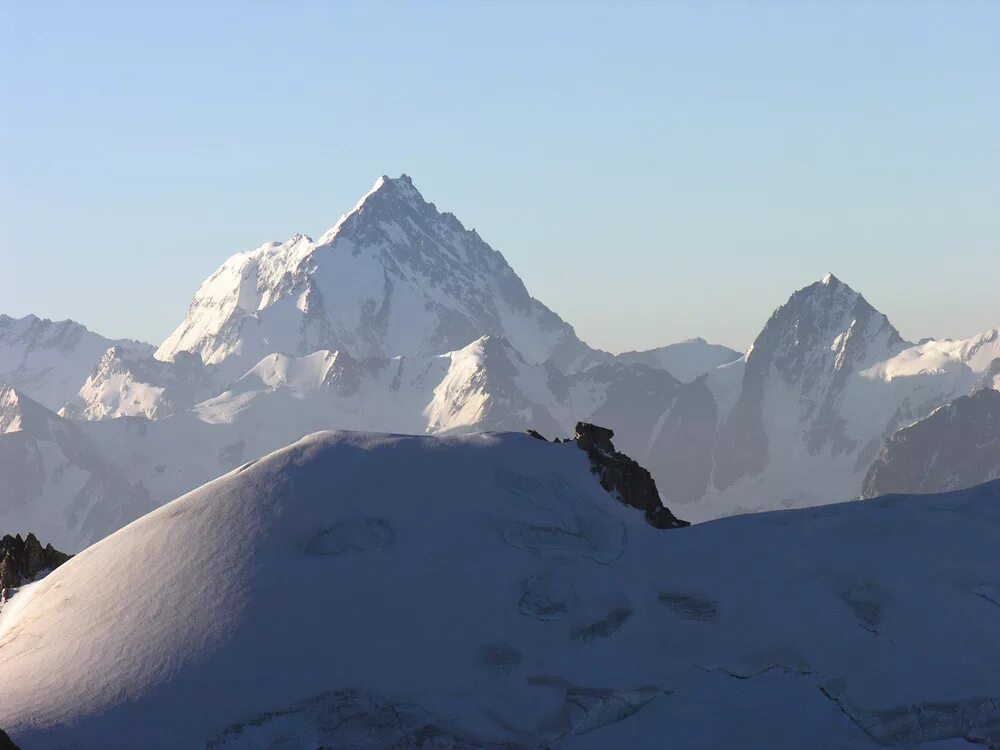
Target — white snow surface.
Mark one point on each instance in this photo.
(373, 591)
(49, 360)
(128, 384)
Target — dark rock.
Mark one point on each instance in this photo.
(6, 743)
(23, 560)
(537, 435)
(623, 477)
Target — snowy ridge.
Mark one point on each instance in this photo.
(595, 631)
(49, 360)
(128, 384)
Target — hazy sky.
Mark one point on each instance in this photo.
(652, 172)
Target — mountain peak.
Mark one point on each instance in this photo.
(830, 280)
(401, 187)
(19, 413)
(395, 276)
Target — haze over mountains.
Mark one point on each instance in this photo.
(399, 319)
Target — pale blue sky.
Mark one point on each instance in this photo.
(651, 171)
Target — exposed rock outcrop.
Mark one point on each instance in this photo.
(6, 743)
(22, 560)
(623, 477)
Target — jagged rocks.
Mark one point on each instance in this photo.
(23, 560)
(623, 477)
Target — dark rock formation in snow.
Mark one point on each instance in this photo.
(22, 560)
(6, 743)
(623, 477)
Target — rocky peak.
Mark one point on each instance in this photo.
(19, 413)
(394, 276)
(824, 323)
(623, 477)
(23, 560)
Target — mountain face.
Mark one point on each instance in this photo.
(393, 277)
(685, 360)
(501, 598)
(60, 481)
(125, 383)
(956, 446)
(825, 383)
(49, 361)
(809, 349)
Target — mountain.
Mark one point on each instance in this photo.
(956, 446)
(80, 480)
(685, 360)
(393, 277)
(485, 386)
(361, 590)
(824, 384)
(49, 361)
(19, 413)
(60, 481)
(136, 384)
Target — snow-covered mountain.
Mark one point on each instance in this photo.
(393, 277)
(125, 383)
(60, 482)
(825, 383)
(685, 360)
(956, 446)
(360, 590)
(486, 385)
(796, 422)
(49, 360)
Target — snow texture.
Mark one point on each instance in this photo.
(361, 590)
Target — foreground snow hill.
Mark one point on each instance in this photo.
(357, 590)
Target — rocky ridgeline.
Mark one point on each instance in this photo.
(23, 560)
(6, 743)
(622, 476)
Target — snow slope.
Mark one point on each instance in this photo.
(87, 478)
(49, 360)
(135, 384)
(393, 277)
(373, 591)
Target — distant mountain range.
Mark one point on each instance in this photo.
(399, 319)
